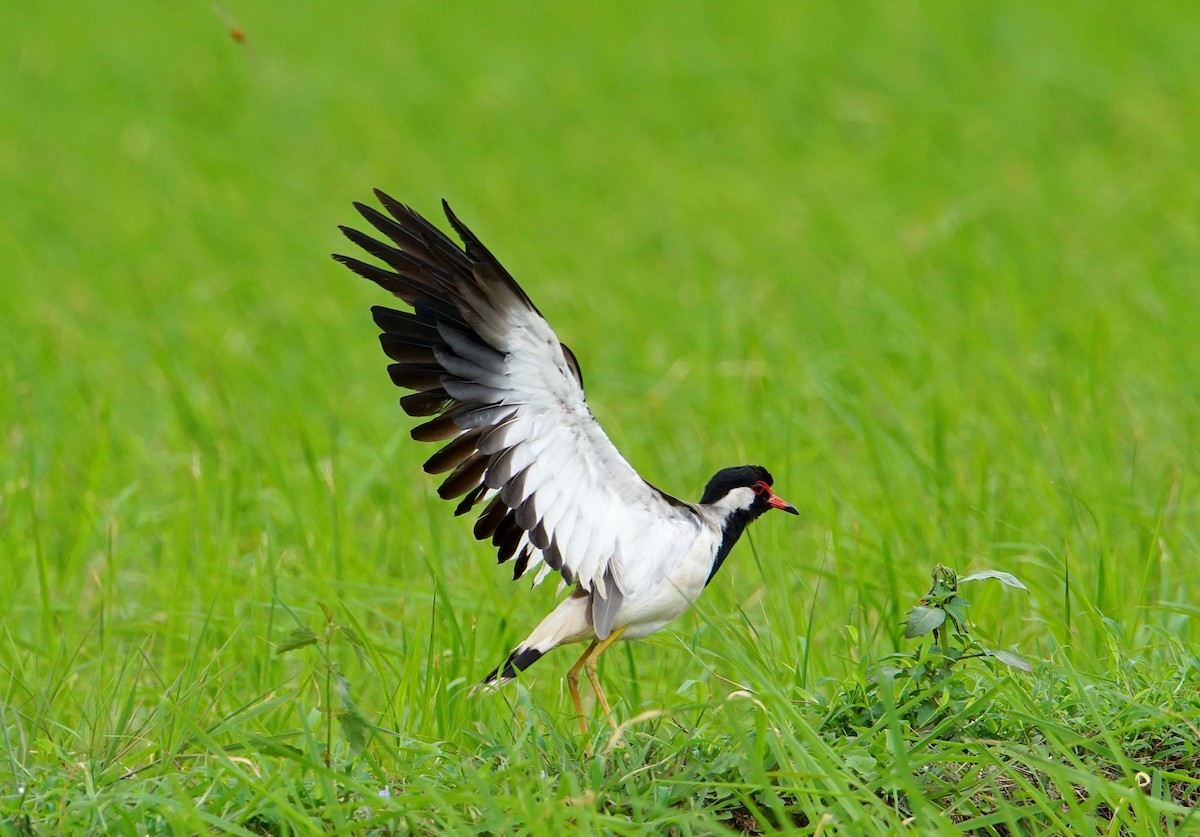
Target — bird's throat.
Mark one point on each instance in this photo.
(735, 524)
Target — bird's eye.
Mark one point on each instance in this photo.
(759, 487)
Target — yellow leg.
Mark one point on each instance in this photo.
(573, 684)
(589, 660)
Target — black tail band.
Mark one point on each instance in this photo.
(518, 660)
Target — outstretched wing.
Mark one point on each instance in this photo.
(488, 371)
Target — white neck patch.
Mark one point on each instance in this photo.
(739, 499)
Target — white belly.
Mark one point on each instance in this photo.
(661, 601)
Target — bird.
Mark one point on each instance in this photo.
(491, 380)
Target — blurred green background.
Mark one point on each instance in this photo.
(933, 265)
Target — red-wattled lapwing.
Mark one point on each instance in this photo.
(485, 364)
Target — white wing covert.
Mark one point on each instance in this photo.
(488, 370)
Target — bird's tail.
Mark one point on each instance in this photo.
(569, 622)
(519, 660)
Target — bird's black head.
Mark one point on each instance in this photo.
(738, 496)
(724, 488)
(727, 479)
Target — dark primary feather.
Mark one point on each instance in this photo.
(455, 351)
(447, 351)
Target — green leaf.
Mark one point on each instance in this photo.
(1003, 578)
(18, 829)
(1010, 659)
(922, 620)
(296, 639)
(957, 608)
(270, 745)
(884, 672)
(355, 641)
(342, 687)
(860, 761)
(945, 582)
(355, 728)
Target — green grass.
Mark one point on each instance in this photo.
(933, 265)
